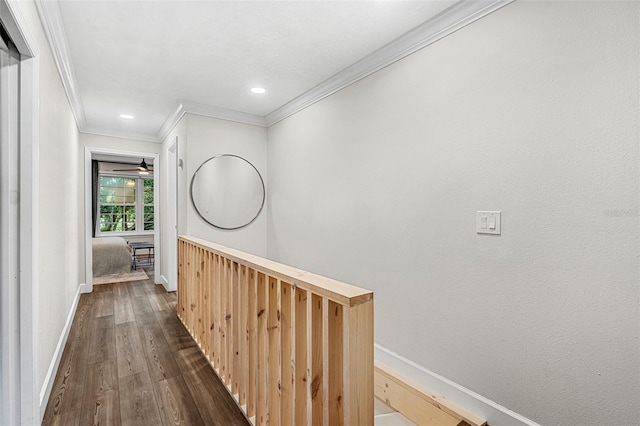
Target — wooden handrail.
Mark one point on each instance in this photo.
(336, 291)
(292, 347)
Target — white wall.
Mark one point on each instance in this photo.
(59, 265)
(532, 111)
(206, 137)
(121, 144)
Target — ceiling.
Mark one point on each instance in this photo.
(158, 59)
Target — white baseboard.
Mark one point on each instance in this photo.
(165, 282)
(495, 414)
(45, 392)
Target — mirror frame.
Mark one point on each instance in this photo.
(193, 203)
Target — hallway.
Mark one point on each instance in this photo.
(129, 360)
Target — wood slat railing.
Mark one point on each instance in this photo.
(292, 347)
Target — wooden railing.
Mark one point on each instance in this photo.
(292, 347)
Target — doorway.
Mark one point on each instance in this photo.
(94, 152)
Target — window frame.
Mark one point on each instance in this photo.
(139, 205)
(143, 205)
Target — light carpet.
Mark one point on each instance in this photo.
(118, 278)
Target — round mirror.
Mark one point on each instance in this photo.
(227, 192)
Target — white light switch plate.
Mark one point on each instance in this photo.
(488, 222)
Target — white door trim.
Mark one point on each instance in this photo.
(172, 222)
(88, 153)
(27, 312)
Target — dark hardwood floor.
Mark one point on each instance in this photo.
(130, 361)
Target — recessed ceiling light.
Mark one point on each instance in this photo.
(258, 90)
(126, 116)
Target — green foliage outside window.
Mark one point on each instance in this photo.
(148, 218)
(119, 207)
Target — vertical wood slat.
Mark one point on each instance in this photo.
(192, 292)
(212, 322)
(358, 364)
(236, 335)
(189, 283)
(302, 386)
(217, 303)
(196, 296)
(206, 320)
(200, 294)
(229, 323)
(316, 349)
(204, 306)
(180, 270)
(287, 372)
(253, 343)
(325, 362)
(223, 322)
(185, 305)
(273, 326)
(243, 333)
(335, 401)
(289, 356)
(205, 301)
(262, 398)
(179, 284)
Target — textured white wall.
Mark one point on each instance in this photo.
(205, 138)
(59, 265)
(532, 111)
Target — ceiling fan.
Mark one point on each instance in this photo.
(142, 169)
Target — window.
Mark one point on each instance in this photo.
(148, 204)
(126, 204)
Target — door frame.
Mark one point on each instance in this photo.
(27, 397)
(172, 217)
(88, 217)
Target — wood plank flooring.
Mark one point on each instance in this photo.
(130, 361)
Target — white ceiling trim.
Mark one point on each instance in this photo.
(52, 23)
(223, 113)
(449, 21)
(171, 121)
(184, 106)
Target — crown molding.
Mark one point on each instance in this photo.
(183, 107)
(223, 113)
(117, 134)
(54, 29)
(170, 122)
(447, 22)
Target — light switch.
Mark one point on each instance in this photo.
(488, 222)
